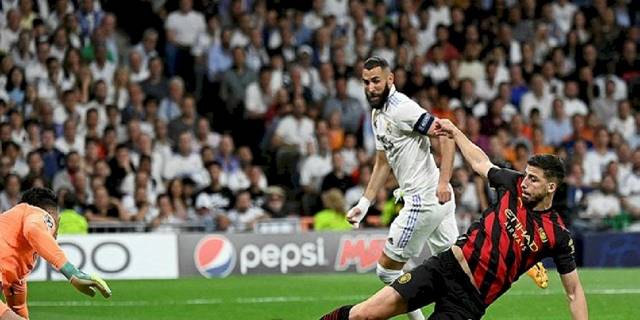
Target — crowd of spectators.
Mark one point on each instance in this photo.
(224, 113)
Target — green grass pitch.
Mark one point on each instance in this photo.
(611, 294)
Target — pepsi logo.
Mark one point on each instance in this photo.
(215, 256)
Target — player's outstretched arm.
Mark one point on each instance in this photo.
(37, 233)
(379, 176)
(478, 160)
(575, 295)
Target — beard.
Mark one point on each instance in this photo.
(376, 101)
(532, 200)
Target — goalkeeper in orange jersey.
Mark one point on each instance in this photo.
(27, 230)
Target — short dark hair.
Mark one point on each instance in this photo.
(552, 166)
(376, 61)
(212, 163)
(40, 197)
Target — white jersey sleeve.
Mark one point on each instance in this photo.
(411, 117)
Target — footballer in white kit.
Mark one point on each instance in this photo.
(401, 128)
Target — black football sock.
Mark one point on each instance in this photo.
(341, 313)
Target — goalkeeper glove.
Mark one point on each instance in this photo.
(85, 283)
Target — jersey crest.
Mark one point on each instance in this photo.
(48, 221)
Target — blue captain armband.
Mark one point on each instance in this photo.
(424, 123)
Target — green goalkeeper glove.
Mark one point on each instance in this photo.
(85, 283)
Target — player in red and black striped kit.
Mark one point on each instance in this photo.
(520, 230)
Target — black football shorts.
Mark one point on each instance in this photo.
(441, 280)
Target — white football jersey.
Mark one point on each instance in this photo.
(400, 128)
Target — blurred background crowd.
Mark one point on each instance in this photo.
(220, 114)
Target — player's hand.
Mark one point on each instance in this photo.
(444, 127)
(443, 192)
(357, 213)
(87, 284)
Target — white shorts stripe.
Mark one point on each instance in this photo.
(407, 231)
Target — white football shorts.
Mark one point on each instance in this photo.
(422, 220)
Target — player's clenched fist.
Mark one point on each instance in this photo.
(357, 213)
(443, 193)
(444, 127)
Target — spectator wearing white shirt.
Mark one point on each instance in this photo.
(259, 95)
(620, 91)
(630, 183)
(437, 69)
(182, 28)
(573, 104)
(138, 70)
(184, 162)
(624, 123)
(470, 67)
(312, 171)
(563, 11)
(204, 136)
(536, 98)
(439, 13)
(166, 215)
(22, 51)
(296, 130)
(37, 69)
(12, 151)
(487, 88)
(314, 19)
(70, 141)
(9, 34)
(101, 68)
(603, 203)
(596, 160)
(243, 217)
(605, 106)
(147, 47)
(240, 36)
(70, 109)
(184, 24)
(135, 180)
(60, 44)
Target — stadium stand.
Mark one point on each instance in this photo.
(162, 116)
